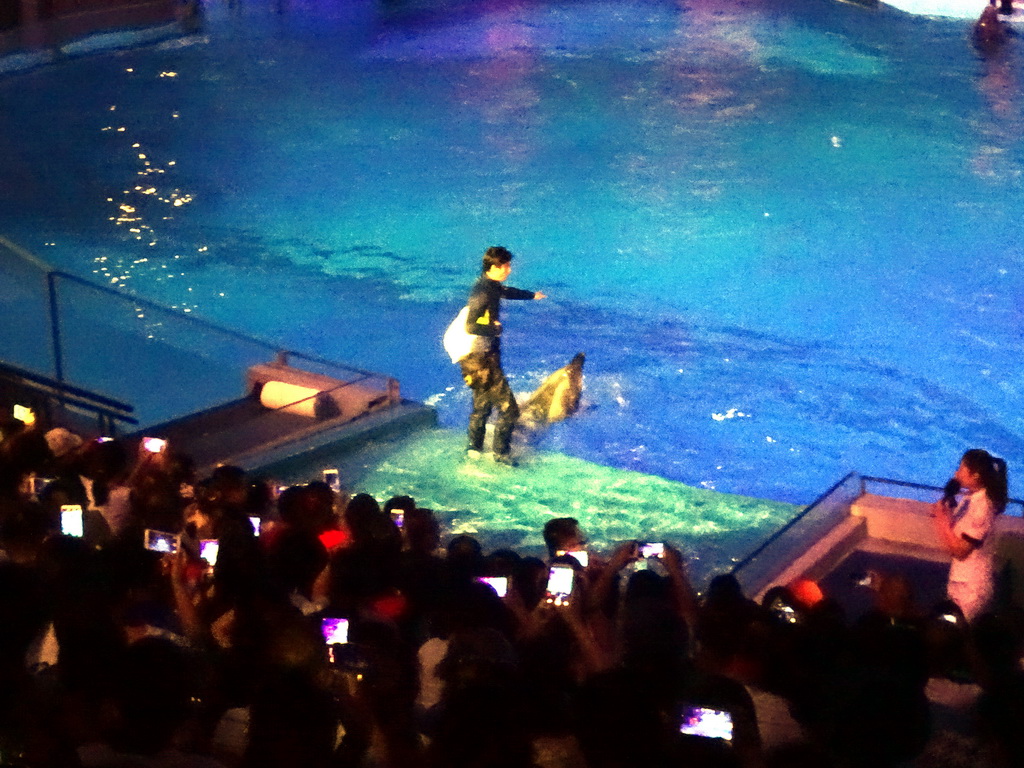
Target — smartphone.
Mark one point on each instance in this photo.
(38, 484)
(398, 517)
(862, 579)
(498, 583)
(104, 439)
(154, 444)
(334, 630)
(581, 556)
(24, 414)
(950, 617)
(255, 522)
(709, 723)
(71, 520)
(208, 549)
(161, 541)
(652, 549)
(332, 479)
(559, 587)
(784, 611)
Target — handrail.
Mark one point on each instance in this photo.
(864, 480)
(778, 534)
(52, 272)
(58, 285)
(269, 346)
(901, 483)
(919, 487)
(25, 255)
(63, 396)
(58, 348)
(107, 403)
(51, 291)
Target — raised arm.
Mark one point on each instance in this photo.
(682, 590)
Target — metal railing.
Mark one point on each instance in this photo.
(56, 402)
(818, 518)
(772, 556)
(885, 486)
(164, 361)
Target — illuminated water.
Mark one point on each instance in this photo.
(506, 507)
(787, 235)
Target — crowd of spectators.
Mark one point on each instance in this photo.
(112, 654)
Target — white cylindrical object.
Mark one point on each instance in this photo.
(281, 396)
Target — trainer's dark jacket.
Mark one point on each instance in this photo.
(485, 306)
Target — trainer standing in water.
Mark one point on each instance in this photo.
(481, 369)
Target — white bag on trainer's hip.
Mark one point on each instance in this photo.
(458, 342)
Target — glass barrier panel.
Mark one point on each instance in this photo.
(24, 309)
(758, 569)
(158, 360)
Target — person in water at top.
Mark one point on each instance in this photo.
(989, 33)
(481, 369)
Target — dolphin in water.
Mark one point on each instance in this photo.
(558, 397)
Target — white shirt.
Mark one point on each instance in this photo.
(118, 509)
(974, 517)
(430, 655)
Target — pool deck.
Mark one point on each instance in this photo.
(893, 535)
(39, 41)
(947, 9)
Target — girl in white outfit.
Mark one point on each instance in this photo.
(964, 528)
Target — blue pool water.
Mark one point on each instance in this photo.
(786, 234)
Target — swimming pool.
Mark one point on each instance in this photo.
(787, 235)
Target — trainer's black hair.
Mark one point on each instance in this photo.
(992, 471)
(496, 256)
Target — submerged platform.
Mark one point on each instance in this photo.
(507, 506)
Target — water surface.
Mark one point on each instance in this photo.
(787, 235)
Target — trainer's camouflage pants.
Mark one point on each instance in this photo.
(483, 375)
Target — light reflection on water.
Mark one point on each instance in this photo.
(808, 215)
